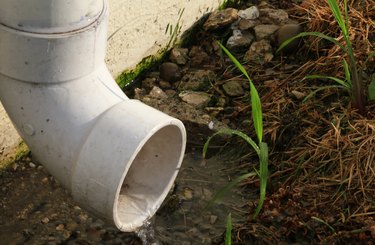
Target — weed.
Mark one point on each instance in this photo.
(353, 80)
(228, 232)
(261, 148)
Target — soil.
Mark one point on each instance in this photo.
(321, 153)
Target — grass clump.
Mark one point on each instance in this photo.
(353, 80)
(260, 148)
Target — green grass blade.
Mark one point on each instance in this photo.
(256, 112)
(255, 100)
(228, 232)
(333, 5)
(229, 186)
(347, 74)
(337, 80)
(263, 174)
(228, 131)
(320, 89)
(323, 222)
(316, 34)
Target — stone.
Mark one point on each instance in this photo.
(60, 227)
(148, 83)
(179, 56)
(251, 13)
(274, 16)
(187, 193)
(240, 40)
(233, 88)
(199, 80)
(198, 99)
(157, 92)
(221, 18)
(244, 24)
(287, 31)
(260, 51)
(164, 84)
(298, 95)
(213, 219)
(198, 56)
(45, 220)
(32, 165)
(170, 72)
(265, 31)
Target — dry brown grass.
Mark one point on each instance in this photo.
(317, 17)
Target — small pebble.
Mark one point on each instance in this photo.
(60, 227)
(32, 165)
(213, 219)
(170, 72)
(82, 218)
(45, 220)
(188, 193)
(287, 31)
(298, 95)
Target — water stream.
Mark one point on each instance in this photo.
(184, 217)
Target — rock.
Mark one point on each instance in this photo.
(71, 226)
(179, 56)
(244, 24)
(274, 16)
(298, 95)
(213, 219)
(240, 40)
(233, 88)
(221, 18)
(287, 31)
(251, 13)
(198, 56)
(164, 84)
(170, 72)
(199, 99)
(32, 165)
(265, 31)
(60, 227)
(45, 220)
(187, 194)
(260, 51)
(82, 218)
(98, 224)
(139, 93)
(199, 80)
(157, 92)
(170, 92)
(148, 83)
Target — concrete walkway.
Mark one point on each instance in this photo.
(136, 30)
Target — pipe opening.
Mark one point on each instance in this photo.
(149, 178)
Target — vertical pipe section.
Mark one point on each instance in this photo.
(118, 157)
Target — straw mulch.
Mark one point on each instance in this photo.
(317, 17)
(322, 152)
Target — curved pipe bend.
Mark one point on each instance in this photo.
(118, 157)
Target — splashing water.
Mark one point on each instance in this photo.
(147, 233)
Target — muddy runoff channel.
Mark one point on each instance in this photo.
(35, 209)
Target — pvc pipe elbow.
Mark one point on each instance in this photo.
(128, 163)
(118, 157)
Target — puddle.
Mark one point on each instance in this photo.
(185, 218)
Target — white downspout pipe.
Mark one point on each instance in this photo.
(117, 156)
